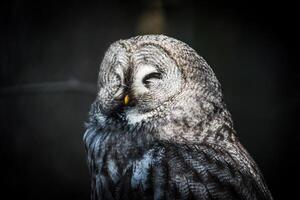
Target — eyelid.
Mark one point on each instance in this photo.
(153, 75)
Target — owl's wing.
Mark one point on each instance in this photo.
(205, 172)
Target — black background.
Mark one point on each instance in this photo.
(47, 47)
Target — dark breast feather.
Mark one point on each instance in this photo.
(171, 171)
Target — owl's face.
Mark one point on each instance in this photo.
(132, 84)
(138, 77)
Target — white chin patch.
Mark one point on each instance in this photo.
(134, 117)
(137, 86)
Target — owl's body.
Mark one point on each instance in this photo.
(174, 139)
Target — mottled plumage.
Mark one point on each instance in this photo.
(175, 138)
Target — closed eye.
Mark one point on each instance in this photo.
(153, 75)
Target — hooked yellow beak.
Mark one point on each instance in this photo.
(126, 100)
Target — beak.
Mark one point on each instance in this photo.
(126, 100)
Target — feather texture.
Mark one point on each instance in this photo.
(176, 139)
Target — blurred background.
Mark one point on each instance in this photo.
(49, 57)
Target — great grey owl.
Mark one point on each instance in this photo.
(159, 128)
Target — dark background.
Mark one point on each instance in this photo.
(49, 56)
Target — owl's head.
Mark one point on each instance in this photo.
(148, 77)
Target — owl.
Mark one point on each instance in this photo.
(159, 128)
